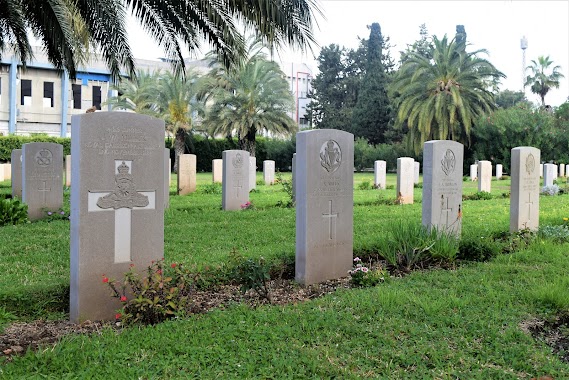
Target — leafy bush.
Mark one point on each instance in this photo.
(445, 246)
(362, 276)
(510, 242)
(549, 190)
(287, 187)
(251, 274)
(404, 245)
(12, 211)
(55, 215)
(365, 185)
(160, 295)
(558, 234)
(210, 188)
(479, 195)
(477, 249)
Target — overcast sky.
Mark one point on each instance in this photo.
(496, 26)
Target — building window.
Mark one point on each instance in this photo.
(76, 88)
(26, 92)
(97, 97)
(48, 94)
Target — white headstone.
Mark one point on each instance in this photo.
(7, 171)
(217, 170)
(524, 198)
(235, 189)
(540, 170)
(117, 205)
(549, 171)
(16, 160)
(442, 185)
(379, 170)
(186, 174)
(167, 178)
(555, 173)
(405, 178)
(324, 204)
(561, 170)
(499, 170)
(484, 176)
(269, 172)
(252, 173)
(68, 170)
(417, 168)
(42, 178)
(294, 177)
(473, 172)
(1, 172)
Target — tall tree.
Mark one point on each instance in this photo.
(441, 98)
(251, 98)
(423, 46)
(372, 113)
(137, 94)
(62, 25)
(540, 80)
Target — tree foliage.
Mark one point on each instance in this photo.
(540, 80)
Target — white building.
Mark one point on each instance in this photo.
(300, 77)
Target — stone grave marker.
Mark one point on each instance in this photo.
(294, 177)
(324, 205)
(524, 197)
(405, 178)
(380, 170)
(417, 169)
(7, 171)
(540, 170)
(473, 172)
(269, 172)
(252, 173)
(549, 171)
(217, 170)
(442, 185)
(186, 174)
(484, 176)
(16, 160)
(499, 171)
(167, 177)
(42, 182)
(1, 172)
(561, 170)
(235, 189)
(555, 172)
(117, 205)
(68, 170)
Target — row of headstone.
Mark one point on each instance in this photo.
(5, 172)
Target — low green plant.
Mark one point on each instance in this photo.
(477, 249)
(510, 242)
(418, 185)
(210, 188)
(389, 187)
(363, 276)
(251, 274)
(51, 215)
(557, 234)
(549, 190)
(12, 211)
(287, 187)
(260, 182)
(445, 246)
(405, 245)
(365, 185)
(479, 195)
(162, 293)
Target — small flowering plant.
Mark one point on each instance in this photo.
(362, 276)
(55, 215)
(247, 206)
(161, 292)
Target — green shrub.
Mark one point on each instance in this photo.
(444, 247)
(365, 185)
(558, 234)
(210, 188)
(363, 276)
(404, 245)
(477, 249)
(12, 211)
(287, 187)
(160, 295)
(251, 274)
(510, 242)
(479, 195)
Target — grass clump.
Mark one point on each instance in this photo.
(12, 211)
(479, 195)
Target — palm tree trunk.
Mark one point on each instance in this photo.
(179, 146)
(250, 143)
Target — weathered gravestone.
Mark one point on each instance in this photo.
(324, 205)
(524, 198)
(540, 170)
(499, 171)
(252, 173)
(561, 170)
(186, 174)
(484, 176)
(269, 172)
(1, 172)
(473, 172)
(442, 186)
(235, 189)
(42, 182)
(7, 171)
(379, 170)
(16, 159)
(68, 170)
(117, 205)
(167, 178)
(416, 173)
(555, 172)
(549, 171)
(217, 170)
(405, 178)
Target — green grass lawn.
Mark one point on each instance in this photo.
(434, 324)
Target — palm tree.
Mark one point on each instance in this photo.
(440, 98)
(137, 94)
(541, 82)
(61, 26)
(251, 98)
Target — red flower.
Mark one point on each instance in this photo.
(105, 279)
(118, 315)
(131, 265)
(123, 299)
(159, 271)
(173, 265)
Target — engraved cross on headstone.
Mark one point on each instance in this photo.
(43, 190)
(238, 186)
(123, 200)
(330, 217)
(529, 203)
(446, 210)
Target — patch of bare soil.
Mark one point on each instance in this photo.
(554, 332)
(19, 337)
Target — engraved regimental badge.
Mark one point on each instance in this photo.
(125, 194)
(530, 164)
(330, 156)
(44, 157)
(448, 162)
(237, 161)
